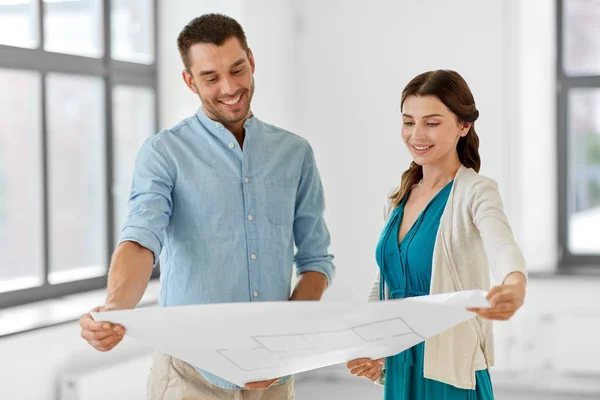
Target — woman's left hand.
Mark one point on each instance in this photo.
(505, 299)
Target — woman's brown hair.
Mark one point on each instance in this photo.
(452, 90)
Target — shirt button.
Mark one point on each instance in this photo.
(218, 125)
(250, 217)
(231, 145)
(253, 256)
(246, 180)
(255, 294)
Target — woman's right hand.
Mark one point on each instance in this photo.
(366, 367)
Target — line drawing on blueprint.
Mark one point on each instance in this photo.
(275, 350)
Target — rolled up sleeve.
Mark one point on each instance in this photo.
(150, 204)
(310, 230)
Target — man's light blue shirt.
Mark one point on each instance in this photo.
(224, 221)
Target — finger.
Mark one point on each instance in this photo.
(113, 344)
(257, 386)
(260, 385)
(109, 344)
(368, 372)
(119, 329)
(358, 362)
(493, 291)
(504, 297)
(360, 370)
(504, 307)
(494, 315)
(373, 373)
(96, 335)
(97, 325)
(105, 341)
(89, 324)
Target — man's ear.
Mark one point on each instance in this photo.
(189, 80)
(251, 60)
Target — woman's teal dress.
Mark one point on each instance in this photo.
(406, 270)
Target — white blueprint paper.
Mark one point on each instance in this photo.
(248, 342)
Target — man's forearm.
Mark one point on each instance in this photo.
(311, 286)
(129, 274)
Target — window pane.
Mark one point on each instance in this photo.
(584, 171)
(74, 27)
(132, 31)
(581, 37)
(76, 162)
(134, 116)
(19, 23)
(21, 207)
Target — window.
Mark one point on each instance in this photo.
(19, 23)
(21, 170)
(579, 131)
(78, 98)
(131, 107)
(74, 27)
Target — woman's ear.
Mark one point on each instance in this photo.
(464, 129)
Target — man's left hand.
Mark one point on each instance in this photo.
(261, 385)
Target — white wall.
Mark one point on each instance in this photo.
(355, 58)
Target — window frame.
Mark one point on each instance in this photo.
(569, 262)
(113, 73)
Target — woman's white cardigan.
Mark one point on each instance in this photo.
(474, 237)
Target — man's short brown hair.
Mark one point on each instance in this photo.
(209, 28)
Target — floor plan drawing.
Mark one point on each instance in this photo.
(279, 350)
(248, 342)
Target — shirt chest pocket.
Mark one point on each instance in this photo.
(280, 199)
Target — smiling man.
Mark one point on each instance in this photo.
(221, 198)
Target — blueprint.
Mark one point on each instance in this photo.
(249, 342)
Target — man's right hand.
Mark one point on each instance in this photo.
(103, 336)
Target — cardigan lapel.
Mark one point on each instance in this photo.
(443, 256)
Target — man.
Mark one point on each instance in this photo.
(222, 197)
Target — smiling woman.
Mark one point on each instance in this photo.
(445, 223)
(438, 125)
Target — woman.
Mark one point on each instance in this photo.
(445, 230)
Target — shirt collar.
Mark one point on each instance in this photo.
(217, 127)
